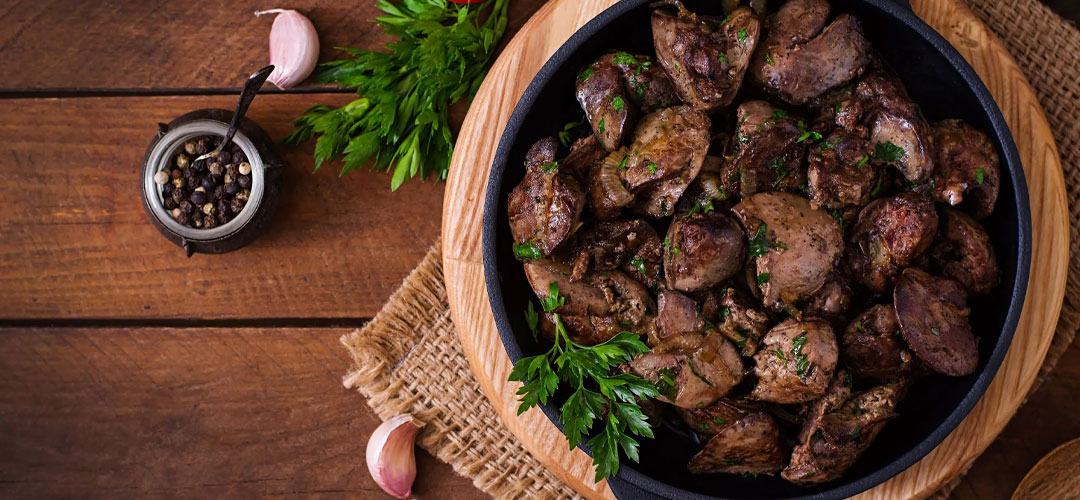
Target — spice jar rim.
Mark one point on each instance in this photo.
(159, 158)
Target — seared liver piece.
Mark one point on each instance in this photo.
(597, 307)
(602, 94)
(678, 314)
(735, 317)
(838, 430)
(900, 134)
(749, 445)
(702, 249)
(705, 57)
(546, 205)
(691, 370)
(801, 245)
(668, 151)
(630, 245)
(933, 316)
(962, 251)
(840, 173)
(873, 349)
(795, 362)
(799, 60)
(768, 151)
(890, 234)
(967, 168)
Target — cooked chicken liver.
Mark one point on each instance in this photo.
(795, 362)
(702, 249)
(769, 151)
(933, 316)
(691, 370)
(546, 205)
(873, 349)
(667, 153)
(967, 168)
(890, 234)
(963, 252)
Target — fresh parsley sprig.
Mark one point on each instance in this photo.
(399, 123)
(598, 392)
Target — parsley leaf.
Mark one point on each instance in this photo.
(528, 250)
(763, 278)
(623, 58)
(549, 167)
(652, 167)
(565, 136)
(888, 152)
(742, 35)
(614, 401)
(601, 128)
(584, 76)
(532, 319)
(618, 104)
(760, 244)
(781, 169)
(980, 175)
(768, 59)
(722, 57)
(440, 54)
(639, 265)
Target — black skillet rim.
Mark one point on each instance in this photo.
(898, 12)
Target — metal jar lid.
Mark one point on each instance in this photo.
(266, 175)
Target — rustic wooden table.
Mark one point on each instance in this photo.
(132, 371)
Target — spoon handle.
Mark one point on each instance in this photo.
(251, 87)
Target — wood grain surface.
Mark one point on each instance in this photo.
(187, 413)
(77, 243)
(1057, 475)
(469, 303)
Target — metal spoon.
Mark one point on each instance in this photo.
(251, 87)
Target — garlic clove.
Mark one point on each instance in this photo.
(294, 47)
(391, 455)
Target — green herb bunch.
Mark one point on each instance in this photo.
(399, 123)
(582, 368)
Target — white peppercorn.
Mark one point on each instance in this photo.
(161, 177)
(189, 147)
(244, 168)
(182, 161)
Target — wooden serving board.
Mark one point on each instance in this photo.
(463, 213)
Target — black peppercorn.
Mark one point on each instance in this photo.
(187, 207)
(236, 206)
(224, 157)
(183, 218)
(167, 188)
(244, 181)
(170, 203)
(177, 195)
(232, 188)
(209, 222)
(200, 146)
(208, 183)
(222, 206)
(231, 170)
(222, 218)
(198, 197)
(219, 193)
(175, 173)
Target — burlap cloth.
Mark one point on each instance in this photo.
(408, 358)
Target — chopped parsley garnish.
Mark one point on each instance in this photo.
(781, 169)
(839, 107)
(652, 167)
(584, 76)
(801, 362)
(874, 193)
(665, 382)
(827, 145)
(618, 104)
(532, 319)
(725, 20)
(860, 328)
(550, 167)
(624, 58)
(863, 161)
(809, 134)
(780, 354)
(564, 134)
(779, 114)
(703, 425)
(722, 57)
(601, 128)
(622, 164)
(856, 433)
(690, 363)
(578, 368)
(768, 59)
(639, 265)
(980, 175)
(703, 206)
(733, 461)
(528, 250)
(763, 278)
(836, 214)
(888, 152)
(719, 421)
(760, 244)
(742, 35)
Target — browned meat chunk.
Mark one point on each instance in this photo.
(707, 191)
(734, 317)
(900, 134)
(890, 234)
(796, 361)
(544, 208)
(607, 194)
(840, 173)
(796, 246)
(839, 430)
(873, 349)
(678, 315)
(705, 57)
(967, 166)
(962, 251)
(833, 300)
(602, 94)
(799, 60)
(597, 306)
(630, 245)
(647, 84)
(702, 249)
(933, 316)
(691, 370)
(585, 157)
(668, 152)
(749, 444)
(769, 149)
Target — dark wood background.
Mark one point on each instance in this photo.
(131, 371)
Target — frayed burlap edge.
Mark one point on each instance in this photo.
(408, 360)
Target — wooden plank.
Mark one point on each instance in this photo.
(133, 44)
(77, 244)
(187, 413)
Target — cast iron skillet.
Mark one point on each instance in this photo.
(937, 78)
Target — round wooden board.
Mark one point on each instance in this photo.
(463, 214)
